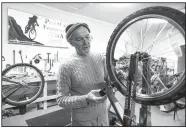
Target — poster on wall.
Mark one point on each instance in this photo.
(29, 29)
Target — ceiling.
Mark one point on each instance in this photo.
(111, 13)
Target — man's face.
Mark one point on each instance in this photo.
(81, 41)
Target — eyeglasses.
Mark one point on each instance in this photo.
(80, 40)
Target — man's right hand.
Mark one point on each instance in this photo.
(94, 96)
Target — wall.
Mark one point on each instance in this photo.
(100, 31)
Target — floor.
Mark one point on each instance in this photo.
(158, 118)
(32, 112)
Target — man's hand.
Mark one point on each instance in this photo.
(94, 96)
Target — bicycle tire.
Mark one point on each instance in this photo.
(30, 31)
(26, 28)
(8, 101)
(179, 90)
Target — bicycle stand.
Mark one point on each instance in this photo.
(145, 111)
(128, 118)
(129, 109)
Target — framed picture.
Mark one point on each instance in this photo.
(30, 29)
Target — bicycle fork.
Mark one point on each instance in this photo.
(129, 110)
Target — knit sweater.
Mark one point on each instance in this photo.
(77, 77)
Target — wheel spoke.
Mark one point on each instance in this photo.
(145, 80)
(130, 36)
(158, 78)
(132, 45)
(10, 93)
(11, 89)
(147, 29)
(157, 37)
(163, 52)
(126, 48)
(149, 67)
(122, 50)
(146, 33)
(4, 87)
(35, 89)
(162, 82)
(20, 96)
(141, 38)
(31, 90)
(162, 37)
(154, 38)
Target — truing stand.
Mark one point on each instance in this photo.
(128, 118)
(145, 114)
(129, 109)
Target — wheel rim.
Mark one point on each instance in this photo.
(123, 30)
(29, 91)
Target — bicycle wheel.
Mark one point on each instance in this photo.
(21, 84)
(159, 34)
(32, 34)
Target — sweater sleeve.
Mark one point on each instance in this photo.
(64, 99)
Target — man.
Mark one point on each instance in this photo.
(80, 79)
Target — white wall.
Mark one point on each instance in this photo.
(100, 31)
